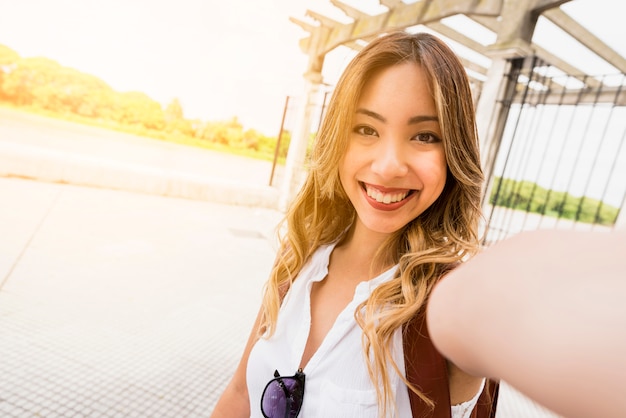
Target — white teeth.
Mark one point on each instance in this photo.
(385, 198)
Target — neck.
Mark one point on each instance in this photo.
(361, 245)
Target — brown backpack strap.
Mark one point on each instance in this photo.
(427, 370)
(487, 401)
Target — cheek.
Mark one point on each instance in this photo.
(435, 170)
(343, 171)
(442, 170)
(347, 165)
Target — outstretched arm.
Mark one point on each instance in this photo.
(544, 311)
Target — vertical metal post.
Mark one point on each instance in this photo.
(319, 123)
(280, 135)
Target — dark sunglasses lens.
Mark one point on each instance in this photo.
(282, 398)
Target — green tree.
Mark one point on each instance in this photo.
(28, 84)
(136, 108)
(8, 61)
(175, 121)
(229, 133)
(41, 83)
(174, 111)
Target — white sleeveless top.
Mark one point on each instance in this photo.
(337, 383)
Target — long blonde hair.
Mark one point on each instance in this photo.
(442, 235)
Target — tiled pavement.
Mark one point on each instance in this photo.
(122, 304)
(119, 304)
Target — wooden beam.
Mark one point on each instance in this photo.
(324, 20)
(304, 25)
(490, 22)
(449, 32)
(330, 33)
(542, 6)
(493, 25)
(349, 10)
(480, 7)
(586, 38)
(399, 16)
(564, 66)
(470, 65)
(390, 4)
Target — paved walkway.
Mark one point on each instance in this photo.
(118, 303)
(123, 304)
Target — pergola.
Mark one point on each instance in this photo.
(512, 21)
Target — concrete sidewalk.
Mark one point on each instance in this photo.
(122, 302)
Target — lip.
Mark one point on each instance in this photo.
(386, 206)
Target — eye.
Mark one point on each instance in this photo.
(365, 130)
(426, 138)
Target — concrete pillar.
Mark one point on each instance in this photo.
(514, 41)
(488, 107)
(294, 165)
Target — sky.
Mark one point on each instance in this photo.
(220, 59)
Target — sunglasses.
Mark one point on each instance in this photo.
(282, 397)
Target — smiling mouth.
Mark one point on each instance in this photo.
(386, 197)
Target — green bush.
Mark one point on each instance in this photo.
(530, 197)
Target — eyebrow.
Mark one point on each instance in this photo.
(413, 120)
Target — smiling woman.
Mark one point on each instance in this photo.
(391, 203)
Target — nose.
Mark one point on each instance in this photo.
(390, 159)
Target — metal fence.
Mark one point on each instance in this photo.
(561, 160)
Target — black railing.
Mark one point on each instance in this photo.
(561, 162)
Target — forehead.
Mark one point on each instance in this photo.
(400, 89)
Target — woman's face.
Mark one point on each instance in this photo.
(395, 166)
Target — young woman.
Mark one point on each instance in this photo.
(391, 202)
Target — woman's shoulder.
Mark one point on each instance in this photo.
(321, 255)
(316, 267)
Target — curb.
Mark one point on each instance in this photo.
(61, 167)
